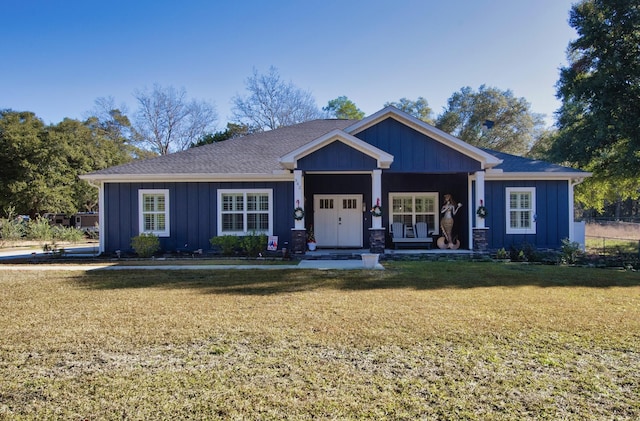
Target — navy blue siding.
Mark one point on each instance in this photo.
(337, 156)
(552, 214)
(415, 152)
(193, 212)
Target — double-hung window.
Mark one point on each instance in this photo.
(241, 212)
(521, 210)
(153, 205)
(410, 208)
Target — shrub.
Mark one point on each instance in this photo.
(145, 244)
(70, 234)
(254, 243)
(228, 243)
(39, 229)
(571, 251)
(11, 230)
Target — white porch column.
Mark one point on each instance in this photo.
(376, 193)
(480, 197)
(298, 196)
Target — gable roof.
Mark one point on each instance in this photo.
(383, 158)
(272, 154)
(486, 160)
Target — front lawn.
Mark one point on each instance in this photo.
(420, 340)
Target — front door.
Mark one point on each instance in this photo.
(338, 220)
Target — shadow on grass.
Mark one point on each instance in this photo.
(398, 275)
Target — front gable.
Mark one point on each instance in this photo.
(418, 146)
(337, 150)
(417, 152)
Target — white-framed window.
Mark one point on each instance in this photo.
(241, 212)
(153, 206)
(521, 210)
(410, 208)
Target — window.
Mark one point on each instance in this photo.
(242, 212)
(410, 208)
(153, 206)
(521, 210)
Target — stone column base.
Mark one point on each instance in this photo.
(480, 243)
(298, 241)
(377, 240)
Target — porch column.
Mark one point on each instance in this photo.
(298, 233)
(480, 197)
(376, 193)
(376, 232)
(298, 196)
(479, 236)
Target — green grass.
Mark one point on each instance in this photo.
(420, 340)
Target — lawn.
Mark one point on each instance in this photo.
(420, 340)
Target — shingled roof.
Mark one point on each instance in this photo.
(253, 154)
(518, 164)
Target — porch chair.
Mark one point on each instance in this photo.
(397, 230)
(422, 230)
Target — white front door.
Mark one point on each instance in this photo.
(338, 220)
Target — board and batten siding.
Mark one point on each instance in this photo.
(337, 156)
(192, 212)
(415, 152)
(552, 214)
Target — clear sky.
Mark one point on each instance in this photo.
(58, 56)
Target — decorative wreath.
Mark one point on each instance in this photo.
(482, 212)
(376, 211)
(298, 213)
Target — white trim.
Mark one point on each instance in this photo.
(564, 175)
(167, 211)
(486, 160)
(102, 234)
(436, 208)
(532, 216)
(144, 178)
(383, 158)
(244, 192)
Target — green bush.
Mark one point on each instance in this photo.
(11, 230)
(228, 243)
(254, 244)
(70, 234)
(145, 244)
(39, 229)
(571, 252)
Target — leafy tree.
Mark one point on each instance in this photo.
(273, 103)
(419, 108)
(167, 121)
(232, 131)
(39, 165)
(599, 119)
(343, 108)
(491, 118)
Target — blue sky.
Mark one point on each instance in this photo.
(60, 55)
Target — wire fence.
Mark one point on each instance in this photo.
(612, 246)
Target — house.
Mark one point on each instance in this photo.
(334, 172)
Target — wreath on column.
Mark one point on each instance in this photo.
(298, 213)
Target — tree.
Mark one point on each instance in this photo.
(231, 132)
(167, 122)
(419, 108)
(491, 118)
(599, 119)
(39, 165)
(273, 103)
(343, 108)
